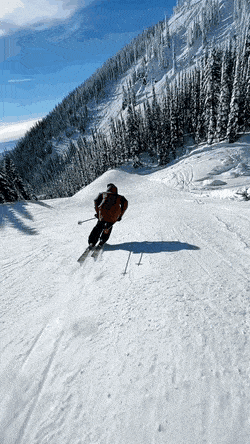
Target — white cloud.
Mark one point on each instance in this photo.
(19, 80)
(28, 12)
(8, 6)
(15, 130)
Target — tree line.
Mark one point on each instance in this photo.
(12, 187)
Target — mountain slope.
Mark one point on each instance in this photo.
(158, 354)
(176, 69)
(188, 53)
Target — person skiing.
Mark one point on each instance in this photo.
(110, 207)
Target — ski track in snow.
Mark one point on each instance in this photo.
(147, 343)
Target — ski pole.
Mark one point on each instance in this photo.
(82, 221)
(125, 271)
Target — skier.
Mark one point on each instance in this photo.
(109, 207)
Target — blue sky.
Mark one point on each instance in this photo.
(49, 47)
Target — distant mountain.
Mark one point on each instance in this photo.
(188, 76)
(7, 146)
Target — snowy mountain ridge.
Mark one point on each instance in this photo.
(188, 52)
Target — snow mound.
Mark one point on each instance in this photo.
(222, 165)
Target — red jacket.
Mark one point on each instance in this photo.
(110, 206)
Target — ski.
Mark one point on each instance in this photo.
(96, 251)
(84, 255)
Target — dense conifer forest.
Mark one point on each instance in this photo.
(208, 100)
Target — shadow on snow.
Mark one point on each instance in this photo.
(152, 247)
(12, 213)
(38, 202)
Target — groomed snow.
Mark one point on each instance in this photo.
(160, 354)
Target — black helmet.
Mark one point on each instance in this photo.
(112, 188)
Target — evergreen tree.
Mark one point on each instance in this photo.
(212, 82)
(183, 105)
(195, 103)
(122, 148)
(246, 109)
(133, 132)
(15, 179)
(225, 96)
(148, 129)
(156, 126)
(125, 98)
(233, 120)
(114, 141)
(167, 40)
(165, 148)
(119, 149)
(7, 192)
(174, 130)
(173, 55)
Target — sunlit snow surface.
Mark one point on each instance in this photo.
(148, 344)
(218, 170)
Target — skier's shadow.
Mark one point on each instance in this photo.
(152, 247)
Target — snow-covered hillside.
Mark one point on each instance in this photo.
(187, 55)
(148, 344)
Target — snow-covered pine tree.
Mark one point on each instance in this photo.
(122, 151)
(7, 193)
(89, 166)
(195, 102)
(113, 141)
(233, 120)
(246, 109)
(156, 126)
(102, 149)
(97, 161)
(184, 103)
(203, 27)
(148, 129)
(225, 96)
(118, 143)
(174, 129)
(132, 133)
(212, 88)
(173, 55)
(166, 34)
(200, 134)
(79, 167)
(15, 179)
(193, 32)
(81, 160)
(86, 160)
(125, 98)
(164, 151)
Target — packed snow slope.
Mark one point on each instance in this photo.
(148, 344)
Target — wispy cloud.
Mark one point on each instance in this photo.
(20, 13)
(19, 80)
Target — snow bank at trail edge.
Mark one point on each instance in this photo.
(220, 170)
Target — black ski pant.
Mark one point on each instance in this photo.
(100, 232)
